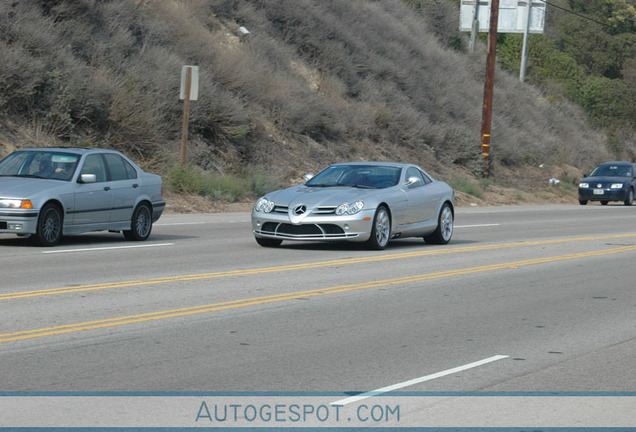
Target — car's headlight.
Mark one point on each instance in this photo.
(264, 205)
(584, 185)
(16, 203)
(617, 185)
(349, 208)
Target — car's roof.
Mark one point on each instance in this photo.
(375, 163)
(75, 150)
(617, 163)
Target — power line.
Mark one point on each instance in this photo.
(580, 15)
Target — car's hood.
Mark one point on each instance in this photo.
(604, 179)
(318, 196)
(24, 187)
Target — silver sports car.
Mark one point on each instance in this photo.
(369, 202)
(49, 192)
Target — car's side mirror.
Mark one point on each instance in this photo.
(585, 175)
(413, 181)
(308, 177)
(88, 178)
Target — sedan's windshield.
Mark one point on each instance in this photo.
(361, 176)
(612, 170)
(39, 164)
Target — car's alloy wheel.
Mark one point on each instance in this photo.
(444, 231)
(49, 230)
(381, 231)
(141, 224)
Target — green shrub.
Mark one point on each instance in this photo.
(232, 188)
(465, 185)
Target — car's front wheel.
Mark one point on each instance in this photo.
(381, 230)
(604, 202)
(583, 202)
(444, 230)
(630, 198)
(49, 229)
(268, 242)
(141, 224)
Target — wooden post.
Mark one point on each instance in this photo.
(486, 118)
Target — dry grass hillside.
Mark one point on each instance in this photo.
(314, 82)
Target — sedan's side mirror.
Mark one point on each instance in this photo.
(308, 177)
(412, 181)
(585, 175)
(88, 178)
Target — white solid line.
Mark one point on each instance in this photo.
(107, 248)
(179, 223)
(476, 226)
(417, 380)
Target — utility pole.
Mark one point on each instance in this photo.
(486, 118)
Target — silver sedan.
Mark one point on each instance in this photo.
(46, 193)
(370, 202)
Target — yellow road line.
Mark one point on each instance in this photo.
(195, 310)
(294, 267)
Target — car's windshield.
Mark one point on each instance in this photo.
(40, 164)
(362, 176)
(612, 170)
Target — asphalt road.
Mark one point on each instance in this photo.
(522, 299)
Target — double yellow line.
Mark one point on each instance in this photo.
(295, 267)
(182, 312)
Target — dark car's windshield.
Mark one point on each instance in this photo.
(362, 176)
(40, 164)
(612, 170)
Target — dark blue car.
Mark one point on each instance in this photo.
(611, 181)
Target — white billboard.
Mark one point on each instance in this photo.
(513, 15)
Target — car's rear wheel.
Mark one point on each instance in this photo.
(444, 231)
(381, 231)
(141, 224)
(268, 242)
(583, 202)
(49, 229)
(630, 198)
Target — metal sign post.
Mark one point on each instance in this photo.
(189, 91)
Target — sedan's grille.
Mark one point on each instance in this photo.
(316, 211)
(306, 230)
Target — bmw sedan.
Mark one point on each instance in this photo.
(370, 202)
(611, 181)
(46, 193)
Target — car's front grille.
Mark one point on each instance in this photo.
(325, 210)
(3, 225)
(306, 230)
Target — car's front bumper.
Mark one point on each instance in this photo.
(603, 194)
(18, 221)
(314, 227)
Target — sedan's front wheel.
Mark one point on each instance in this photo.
(381, 231)
(141, 224)
(444, 230)
(630, 198)
(49, 230)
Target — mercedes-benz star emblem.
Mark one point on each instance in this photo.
(300, 209)
(599, 185)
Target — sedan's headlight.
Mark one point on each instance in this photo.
(617, 185)
(264, 205)
(16, 203)
(349, 208)
(584, 185)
